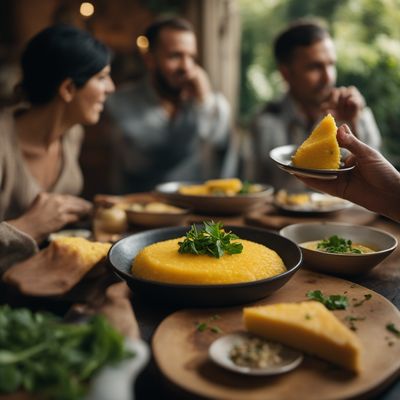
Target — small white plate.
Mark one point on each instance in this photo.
(220, 348)
(283, 157)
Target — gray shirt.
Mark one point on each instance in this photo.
(281, 123)
(150, 147)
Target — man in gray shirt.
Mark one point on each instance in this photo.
(171, 125)
(306, 59)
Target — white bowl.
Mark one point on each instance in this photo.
(381, 242)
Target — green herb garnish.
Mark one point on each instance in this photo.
(245, 188)
(361, 302)
(332, 302)
(351, 320)
(211, 240)
(40, 354)
(392, 328)
(336, 244)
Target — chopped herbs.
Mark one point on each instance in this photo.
(336, 244)
(54, 360)
(361, 302)
(392, 328)
(205, 325)
(351, 320)
(211, 240)
(332, 302)
(246, 187)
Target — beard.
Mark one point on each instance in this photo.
(164, 87)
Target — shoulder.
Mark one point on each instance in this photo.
(74, 136)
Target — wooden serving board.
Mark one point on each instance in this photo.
(181, 351)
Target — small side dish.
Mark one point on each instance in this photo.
(248, 354)
(155, 207)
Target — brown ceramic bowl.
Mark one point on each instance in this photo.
(341, 264)
(214, 205)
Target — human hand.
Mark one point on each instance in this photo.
(198, 85)
(345, 104)
(374, 183)
(49, 212)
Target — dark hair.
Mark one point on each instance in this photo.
(299, 33)
(153, 31)
(57, 53)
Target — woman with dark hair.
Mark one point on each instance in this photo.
(65, 81)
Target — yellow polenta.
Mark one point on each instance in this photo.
(162, 262)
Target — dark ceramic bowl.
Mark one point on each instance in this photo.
(123, 252)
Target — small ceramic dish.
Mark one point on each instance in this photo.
(282, 156)
(220, 349)
(344, 264)
(155, 214)
(309, 202)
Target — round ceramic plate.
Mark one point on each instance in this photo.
(123, 252)
(226, 205)
(282, 156)
(220, 349)
(314, 203)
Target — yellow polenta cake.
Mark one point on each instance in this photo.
(320, 150)
(162, 262)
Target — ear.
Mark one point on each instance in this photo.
(67, 90)
(285, 71)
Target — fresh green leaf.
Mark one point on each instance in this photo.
(336, 244)
(211, 240)
(332, 302)
(42, 355)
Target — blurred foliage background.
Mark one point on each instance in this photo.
(367, 38)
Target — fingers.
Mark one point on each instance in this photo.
(347, 140)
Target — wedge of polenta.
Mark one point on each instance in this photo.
(321, 149)
(307, 326)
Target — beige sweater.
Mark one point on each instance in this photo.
(18, 187)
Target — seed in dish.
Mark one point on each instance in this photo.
(321, 149)
(307, 326)
(207, 263)
(337, 245)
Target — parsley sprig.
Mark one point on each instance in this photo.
(336, 244)
(211, 240)
(332, 302)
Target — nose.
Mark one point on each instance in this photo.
(186, 63)
(328, 75)
(110, 86)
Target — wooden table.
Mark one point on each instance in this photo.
(384, 279)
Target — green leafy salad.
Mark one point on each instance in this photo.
(212, 240)
(41, 354)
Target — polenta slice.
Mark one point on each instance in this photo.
(321, 149)
(307, 326)
(228, 186)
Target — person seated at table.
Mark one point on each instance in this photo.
(306, 58)
(374, 183)
(65, 84)
(170, 124)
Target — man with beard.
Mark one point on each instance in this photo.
(306, 59)
(172, 125)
